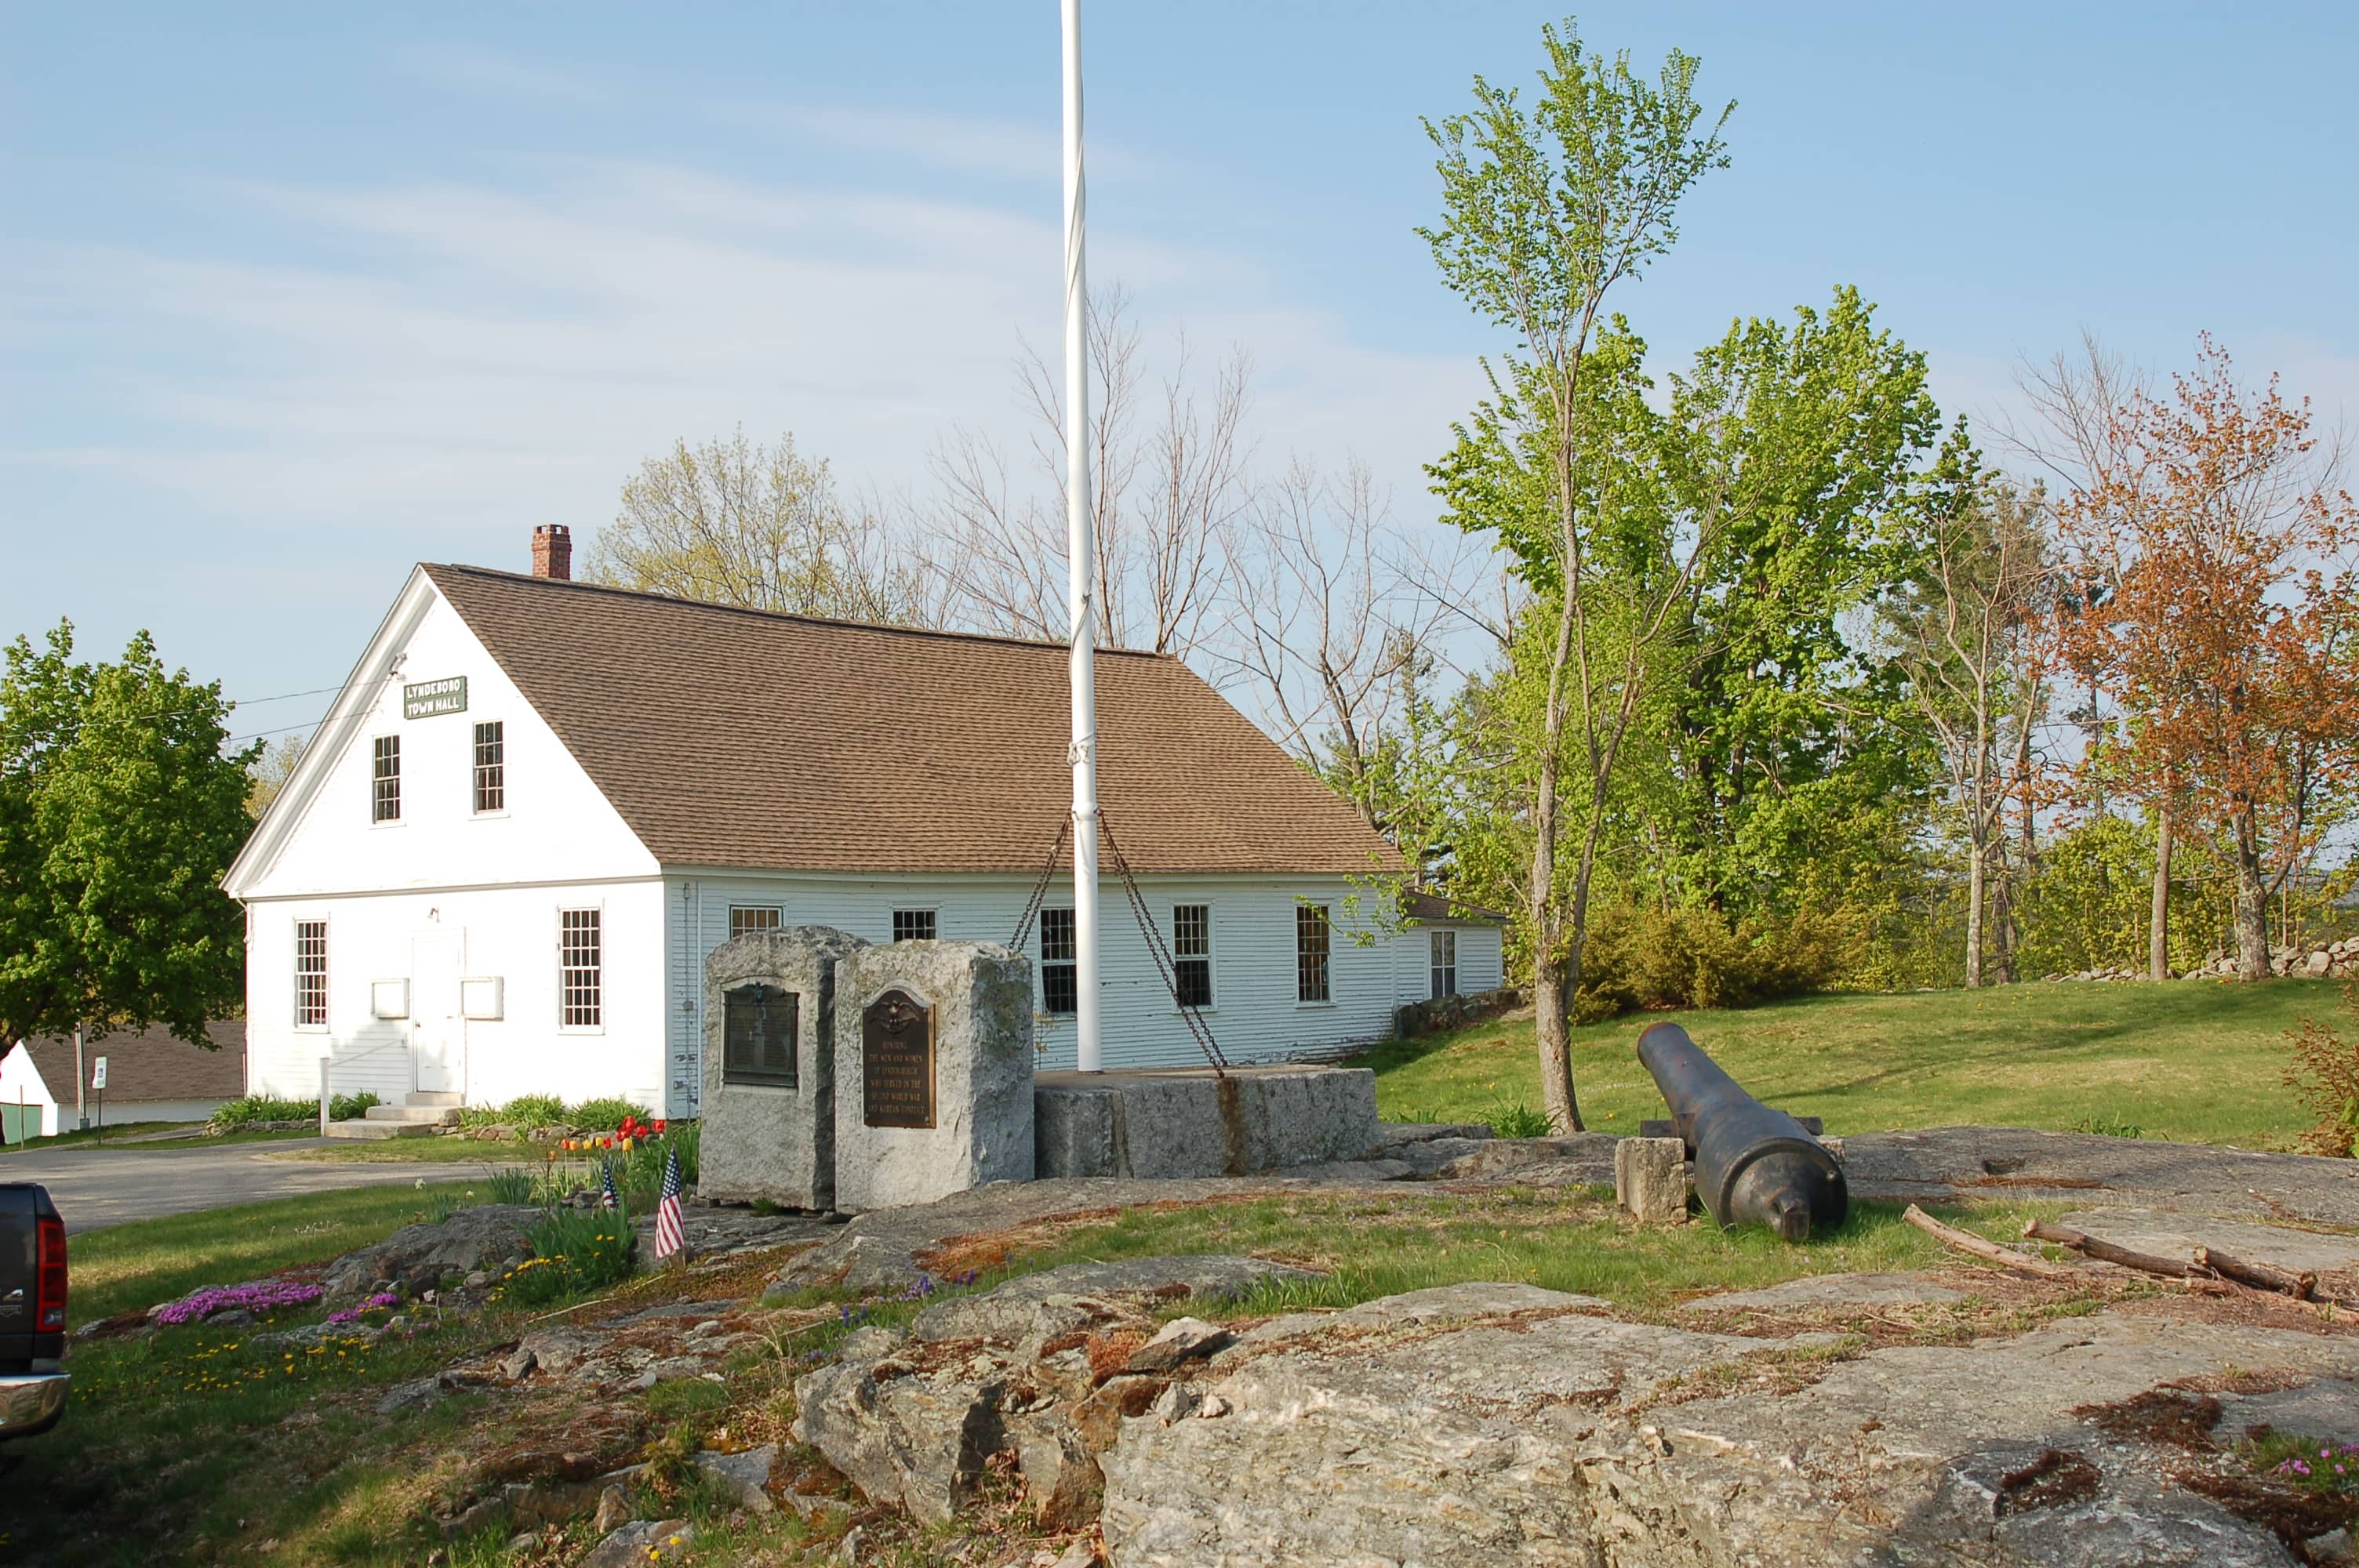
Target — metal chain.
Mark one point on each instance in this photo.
(1164, 962)
(1040, 888)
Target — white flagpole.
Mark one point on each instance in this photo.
(1081, 559)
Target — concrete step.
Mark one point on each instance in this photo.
(375, 1129)
(451, 1098)
(420, 1115)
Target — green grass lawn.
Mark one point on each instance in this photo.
(428, 1151)
(2188, 1060)
(151, 1260)
(85, 1135)
(1575, 1241)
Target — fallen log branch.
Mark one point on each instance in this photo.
(1988, 1251)
(2105, 1251)
(2302, 1287)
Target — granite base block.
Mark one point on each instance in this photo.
(1152, 1124)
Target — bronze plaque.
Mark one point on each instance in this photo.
(896, 1061)
(759, 1026)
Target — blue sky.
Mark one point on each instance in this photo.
(293, 297)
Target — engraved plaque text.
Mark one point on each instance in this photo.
(896, 1061)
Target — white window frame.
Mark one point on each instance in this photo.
(1327, 961)
(1040, 941)
(476, 768)
(736, 930)
(933, 918)
(321, 1027)
(1439, 938)
(564, 968)
(1209, 955)
(376, 743)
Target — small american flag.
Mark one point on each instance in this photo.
(669, 1236)
(608, 1197)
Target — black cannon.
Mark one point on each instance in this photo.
(1751, 1164)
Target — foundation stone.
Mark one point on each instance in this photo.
(1650, 1179)
(934, 1072)
(1161, 1124)
(768, 1104)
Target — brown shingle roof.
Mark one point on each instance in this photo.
(148, 1065)
(1439, 909)
(739, 737)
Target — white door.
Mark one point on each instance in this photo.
(438, 1040)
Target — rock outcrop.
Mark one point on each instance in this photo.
(1573, 1439)
(1040, 1365)
(419, 1257)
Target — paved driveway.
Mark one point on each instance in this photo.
(98, 1188)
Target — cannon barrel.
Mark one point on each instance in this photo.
(1753, 1164)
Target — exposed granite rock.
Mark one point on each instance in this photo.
(1181, 1340)
(2176, 1235)
(1037, 1307)
(918, 1440)
(1541, 1443)
(1392, 1135)
(1832, 1291)
(1412, 1310)
(2013, 1161)
(744, 1476)
(415, 1394)
(1577, 1160)
(879, 1250)
(1061, 1477)
(630, 1546)
(417, 1257)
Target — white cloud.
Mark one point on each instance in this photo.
(971, 143)
(508, 80)
(504, 356)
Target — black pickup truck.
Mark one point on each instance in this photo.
(32, 1311)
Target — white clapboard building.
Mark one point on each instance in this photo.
(538, 805)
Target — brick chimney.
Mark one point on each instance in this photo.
(552, 552)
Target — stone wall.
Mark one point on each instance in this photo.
(1441, 1012)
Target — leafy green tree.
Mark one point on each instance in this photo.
(1546, 209)
(1795, 445)
(120, 811)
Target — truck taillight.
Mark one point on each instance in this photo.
(50, 1244)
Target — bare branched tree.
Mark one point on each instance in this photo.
(1162, 505)
(1327, 607)
(1968, 633)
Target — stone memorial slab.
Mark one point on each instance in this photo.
(938, 1097)
(768, 1104)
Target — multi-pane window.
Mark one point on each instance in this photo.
(491, 766)
(581, 971)
(1445, 963)
(1310, 945)
(311, 974)
(1059, 991)
(744, 917)
(913, 926)
(757, 1035)
(385, 780)
(1191, 953)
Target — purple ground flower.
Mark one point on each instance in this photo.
(258, 1296)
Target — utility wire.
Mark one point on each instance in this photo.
(230, 704)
